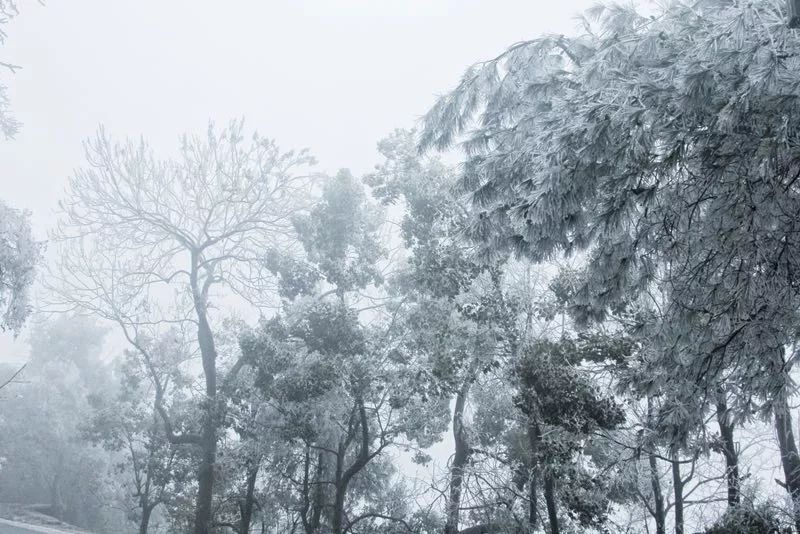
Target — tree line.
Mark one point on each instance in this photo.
(595, 313)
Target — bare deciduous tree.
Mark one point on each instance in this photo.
(143, 242)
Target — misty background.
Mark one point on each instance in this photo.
(332, 76)
(336, 77)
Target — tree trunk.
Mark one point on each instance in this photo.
(205, 481)
(319, 494)
(340, 491)
(658, 499)
(728, 448)
(313, 493)
(677, 490)
(533, 490)
(208, 445)
(460, 459)
(794, 13)
(246, 507)
(344, 476)
(550, 500)
(534, 438)
(338, 509)
(789, 455)
(658, 511)
(147, 512)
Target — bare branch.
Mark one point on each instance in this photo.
(10, 380)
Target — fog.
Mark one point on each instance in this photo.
(536, 271)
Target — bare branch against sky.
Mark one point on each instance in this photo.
(331, 76)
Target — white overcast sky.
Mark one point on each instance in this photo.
(331, 75)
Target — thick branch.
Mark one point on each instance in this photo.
(363, 454)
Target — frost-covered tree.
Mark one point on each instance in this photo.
(8, 124)
(152, 472)
(19, 255)
(453, 315)
(666, 145)
(148, 243)
(45, 460)
(19, 252)
(341, 390)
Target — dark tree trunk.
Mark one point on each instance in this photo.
(728, 448)
(318, 502)
(533, 495)
(525, 475)
(658, 511)
(147, 512)
(534, 438)
(340, 492)
(205, 480)
(313, 494)
(205, 474)
(789, 456)
(338, 509)
(794, 13)
(677, 489)
(306, 495)
(344, 476)
(550, 500)
(658, 499)
(208, 442)
(460, 459)
(246, 507)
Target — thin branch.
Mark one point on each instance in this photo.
(10, 380)
(13, 68)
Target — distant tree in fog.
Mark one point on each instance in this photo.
(40, 427)
(19, 255)
(8, 124)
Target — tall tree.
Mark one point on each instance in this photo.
(345, 390)
(453, 314)
(564, 406)
(133, 225)
(667, 146)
